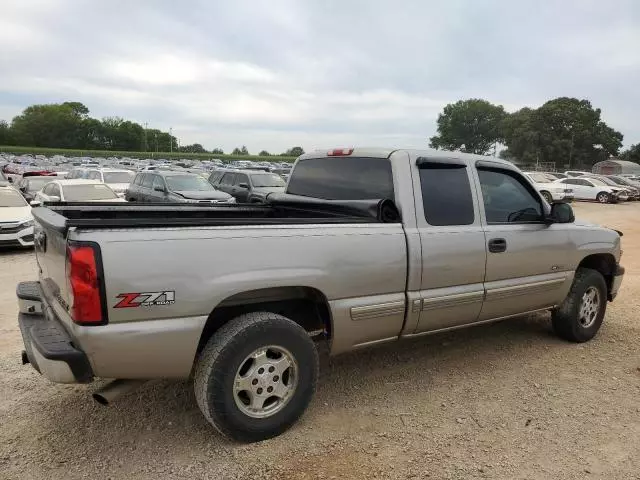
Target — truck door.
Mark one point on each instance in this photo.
(452, 243)
(528, 261)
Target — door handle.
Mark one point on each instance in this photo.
(497, 245)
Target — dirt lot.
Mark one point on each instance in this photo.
(508, 400)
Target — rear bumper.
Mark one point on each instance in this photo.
(617, 281)
(48, 346)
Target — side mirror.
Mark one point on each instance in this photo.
(561, 213)
(35, 203)
(158, 188)
(243, 185)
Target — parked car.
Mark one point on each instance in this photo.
(77, 190)
(248, 186)
(575, 173)
(551, 191)
(593, 189)
(167, 186)
(16, 221)
(232, 296)
(632, 192)
(30, 186)
(556, 175)
(625, 181)
(118, 180)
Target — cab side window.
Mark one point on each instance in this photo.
(508, 197)
(446, 193)
(148, 180)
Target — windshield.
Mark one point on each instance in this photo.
(81, 193)
(267, 180)
(541, 178)
(188, 183)
(118, 177)
(10, 198)
(35, 184)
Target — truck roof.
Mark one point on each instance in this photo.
(379, 152)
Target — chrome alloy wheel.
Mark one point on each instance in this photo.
(265, 381)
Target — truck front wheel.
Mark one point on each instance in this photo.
(581, 314)
(256, 376)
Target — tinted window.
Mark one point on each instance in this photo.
(342, 178)
(35, 184)
(179, 183)
(215, 176)
(147, 182)
(446, 194)
(158, 182)
(138, 180)
(267, 180)
(48, 189)
(227, 179)
(241, 178)
(508, 198)
(94, 176)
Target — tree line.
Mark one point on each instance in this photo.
(563, 131)
(68, 125)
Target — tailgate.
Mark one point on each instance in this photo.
(51, 255)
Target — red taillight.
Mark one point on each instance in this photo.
(82, 269)
(340, 152)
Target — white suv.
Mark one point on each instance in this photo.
(16, 222)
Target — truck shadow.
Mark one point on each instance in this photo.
(161, 419)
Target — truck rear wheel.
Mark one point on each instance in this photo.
(256, 376)
(581, 314)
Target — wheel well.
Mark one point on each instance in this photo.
(605, 263)
(306, 306)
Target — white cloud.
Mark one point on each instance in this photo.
(318, 73)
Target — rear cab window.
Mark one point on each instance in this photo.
(342, 178)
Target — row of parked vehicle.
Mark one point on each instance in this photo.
(587, 186)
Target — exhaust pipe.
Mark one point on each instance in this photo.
(111, 391)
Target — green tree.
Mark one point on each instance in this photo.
(294, 152)
(217, 151)
(6, 136)
(472, 126)
(565, 131)
(631, 154)
(195, 148)
(264, 153)
(240, 151)
(52, 125)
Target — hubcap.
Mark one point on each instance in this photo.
(603, 198)
(265, 381)
(589, 307)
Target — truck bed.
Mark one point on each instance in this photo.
(282, 210)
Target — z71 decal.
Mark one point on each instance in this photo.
(145, 299)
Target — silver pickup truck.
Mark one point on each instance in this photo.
(367, 246)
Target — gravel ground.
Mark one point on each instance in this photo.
(508, 400)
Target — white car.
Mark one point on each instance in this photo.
(576, 173)
(594, 189)
(117, 179)
(16, 222)
(78, 190)
(551, 192)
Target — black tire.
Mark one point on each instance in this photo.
(566, 319)
(603, 197)
(223, 356)
(547, 196)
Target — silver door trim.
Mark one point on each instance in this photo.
(379, 310)
(524, 289)
(455, 300)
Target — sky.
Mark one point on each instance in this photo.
(317, 73)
